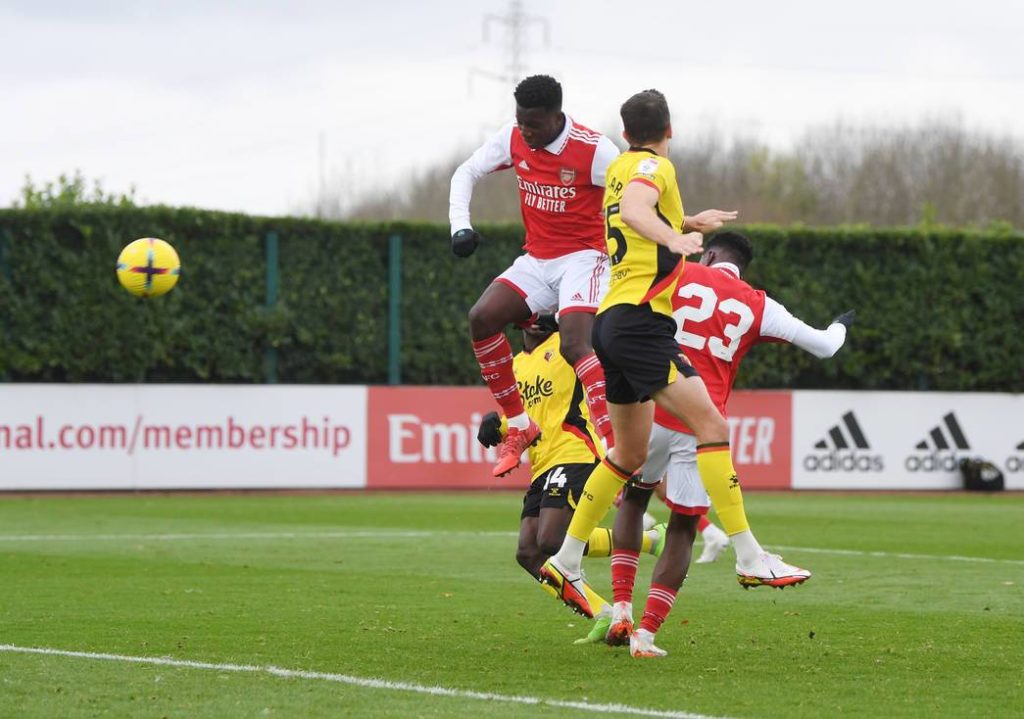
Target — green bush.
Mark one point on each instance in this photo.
(937, 309)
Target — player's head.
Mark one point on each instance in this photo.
(539, 110)
(728, 246)
(646, 119)
(535, 333)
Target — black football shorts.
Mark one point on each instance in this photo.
(638, 350)
(558, 487)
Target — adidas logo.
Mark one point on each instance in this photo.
(839, 440)
(844, 448)
(941, 440)
(523, 165)
(941, 445)
(577, 297)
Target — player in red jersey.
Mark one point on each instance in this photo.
(720, 317)
(560, 166)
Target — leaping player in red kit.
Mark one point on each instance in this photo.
(560, 166)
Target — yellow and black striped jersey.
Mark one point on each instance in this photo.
(642, 272)
(554, 398)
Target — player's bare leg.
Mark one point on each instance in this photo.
(631, 424)
(687, 399)
(499, 306)
(575, 329)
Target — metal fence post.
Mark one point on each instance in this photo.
(270, 353)
(395, 309)
(5, 270)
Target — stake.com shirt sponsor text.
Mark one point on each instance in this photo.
(303, 434)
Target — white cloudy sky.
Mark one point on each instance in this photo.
(224, 104)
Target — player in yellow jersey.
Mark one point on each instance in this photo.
(648, 238)
(561, 461)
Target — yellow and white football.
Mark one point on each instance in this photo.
(148, 267)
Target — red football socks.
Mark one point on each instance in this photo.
(591, 375)
(494, 355)
(659, 604)
(624, 564)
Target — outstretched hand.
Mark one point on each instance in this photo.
(464, 242)
(846, 319)
(709, 220)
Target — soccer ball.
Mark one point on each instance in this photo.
(148, 267)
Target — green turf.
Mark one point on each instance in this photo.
(869, 635)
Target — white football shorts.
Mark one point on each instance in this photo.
(673, 456)
(571, 283)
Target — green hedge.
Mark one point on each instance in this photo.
(936, 309)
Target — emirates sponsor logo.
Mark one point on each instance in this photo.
(548, 198)
(411, 440)
(844, 448)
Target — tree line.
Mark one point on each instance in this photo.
(934, 173)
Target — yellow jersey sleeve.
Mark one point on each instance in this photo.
(656, 172)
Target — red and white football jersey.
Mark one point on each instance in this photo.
(720, 317)
(561, 187)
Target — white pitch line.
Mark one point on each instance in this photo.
(899, 555)
(427, 533)
(173, 537)
(367, 683)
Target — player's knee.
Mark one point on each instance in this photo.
(481, 322)
(629, 459)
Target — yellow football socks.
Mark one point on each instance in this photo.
(598, 494)
(600, 543)
(714, 462)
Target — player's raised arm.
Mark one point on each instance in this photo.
(780, 324)
(493, 155)
(637, 210)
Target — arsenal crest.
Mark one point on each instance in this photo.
(567, 175)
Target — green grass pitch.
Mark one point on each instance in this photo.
(916, 608)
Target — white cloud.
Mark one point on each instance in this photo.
(223, 104)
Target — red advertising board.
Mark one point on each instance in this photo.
(425, 438)
(761, 438)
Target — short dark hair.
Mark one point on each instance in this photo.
(541, 91)
(734, 244)
(645, 117)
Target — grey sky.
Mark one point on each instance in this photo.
(221, 104)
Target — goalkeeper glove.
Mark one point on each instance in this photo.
(464, 242)
(489, 434)
(846, 319)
